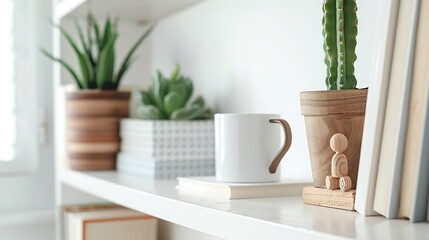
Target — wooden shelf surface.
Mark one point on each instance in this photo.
(259, 218)
(137, 10)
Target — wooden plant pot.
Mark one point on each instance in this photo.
(327, 113)
(93, 128)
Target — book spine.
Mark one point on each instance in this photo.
(415, 127)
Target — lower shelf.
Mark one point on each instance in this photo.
(259, 218)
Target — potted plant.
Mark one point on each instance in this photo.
(94, 110)
(173, 136)
(340, 109)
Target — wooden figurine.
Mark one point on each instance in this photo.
(339, 167)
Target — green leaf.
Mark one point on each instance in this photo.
(148, 112)
(86, 46)
(181, 88)
(88, 31)
(160, 89)
(199, 101)
(123, 68)
(66, 66)
(108, 34)
(150, 94)
(175, 73)
(87, 56)
(94, 25)
(146, 98)
(80, 33)
(189, 86)
(106, 65)
(129, 63)
(208, 114)
(188, 113)
(94, 45)
(83, 64)
(172, 102)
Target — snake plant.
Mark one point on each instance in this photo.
(167, 98)
(96, 55)
(339, 33)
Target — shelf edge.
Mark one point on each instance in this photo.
(65, 7)
(216, 223)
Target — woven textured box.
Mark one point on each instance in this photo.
(166, 149)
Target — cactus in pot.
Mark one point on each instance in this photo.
(329, 112)
(339, 33)
(167, 98)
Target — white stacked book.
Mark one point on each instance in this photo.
(135, 164)
(166, 149)
(208, 185)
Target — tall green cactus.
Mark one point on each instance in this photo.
(339, 33)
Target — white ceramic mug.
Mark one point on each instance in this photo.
(248, 147)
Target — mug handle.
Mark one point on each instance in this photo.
(286, 145)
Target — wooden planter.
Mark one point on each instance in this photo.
(93, 128)
(327, 113)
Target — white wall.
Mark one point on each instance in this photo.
(256, 56)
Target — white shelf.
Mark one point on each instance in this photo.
(261, 218)
(140, 10)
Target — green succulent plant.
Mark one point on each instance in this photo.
(96, 55)
(167, 98)
(339, 33)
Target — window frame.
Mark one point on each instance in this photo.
(29, 91)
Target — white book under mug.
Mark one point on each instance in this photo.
(210, 186)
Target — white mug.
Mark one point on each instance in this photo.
(248, 147)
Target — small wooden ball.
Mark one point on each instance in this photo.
(339, 143)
